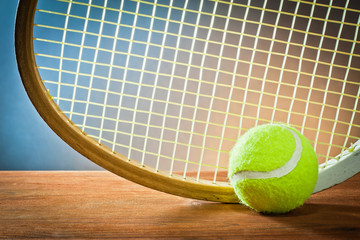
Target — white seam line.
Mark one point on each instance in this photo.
(276, 173)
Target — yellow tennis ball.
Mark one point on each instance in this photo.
(273, 168)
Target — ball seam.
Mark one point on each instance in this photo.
(276, 173)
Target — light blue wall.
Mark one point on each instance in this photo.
(26, 142)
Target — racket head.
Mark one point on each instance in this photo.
(183, 184)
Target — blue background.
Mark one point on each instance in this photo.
(26, 142)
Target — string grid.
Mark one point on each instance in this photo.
(173, 84)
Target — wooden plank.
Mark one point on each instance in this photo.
(101, 205)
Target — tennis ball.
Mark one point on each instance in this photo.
(273, 168)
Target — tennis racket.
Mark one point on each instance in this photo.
(158, 91)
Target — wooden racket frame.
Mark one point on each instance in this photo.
(89, 147)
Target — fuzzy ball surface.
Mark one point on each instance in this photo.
(273, 168)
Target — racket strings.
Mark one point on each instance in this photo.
(328, 6)
(197, 52)
(187, 75)
(213, 93)
(314, 71)
(187, 65)
(211, 41)
(249, 6)
(174, 117)
(331, 69)
(203, 95)
(183, 105)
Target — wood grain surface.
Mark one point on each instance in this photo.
(100, 205)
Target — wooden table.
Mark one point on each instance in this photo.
(101, 205)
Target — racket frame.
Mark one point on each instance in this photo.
(120, 164)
